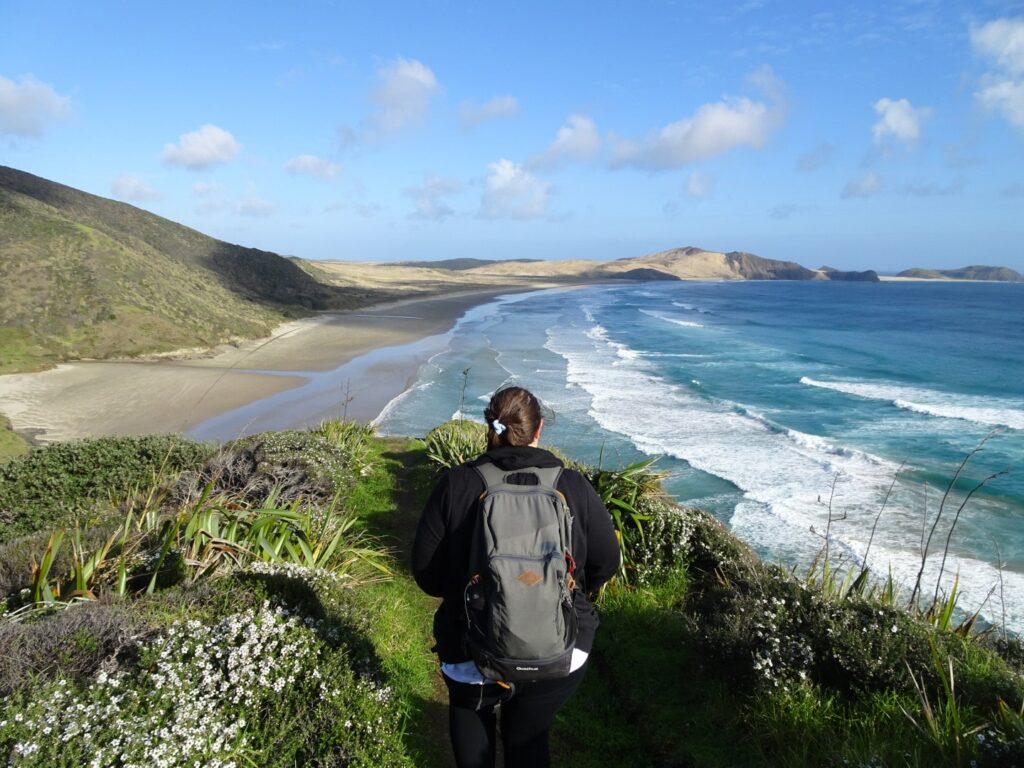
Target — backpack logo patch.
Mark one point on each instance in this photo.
(529, 578)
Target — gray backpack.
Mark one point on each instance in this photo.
(520, 620)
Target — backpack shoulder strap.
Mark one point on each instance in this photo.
(494, 476)
(491, 474)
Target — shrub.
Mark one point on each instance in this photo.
(59, 481)
(456, 442)
(249, 473)
(663, 543)
(863, 646)
(354, 440)
(69, 642)
(255, 668)
(307, 464)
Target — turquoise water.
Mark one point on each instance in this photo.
(766, 399)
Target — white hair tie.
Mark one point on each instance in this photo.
(498, 427)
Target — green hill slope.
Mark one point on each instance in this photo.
(976, 272)
(83, 276)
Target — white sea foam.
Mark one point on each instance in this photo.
(380, 422)
(690, 307)
(673, 320)
(787, 477)
(463, 416)
(989, 411)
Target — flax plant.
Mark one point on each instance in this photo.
(623, 492)
(212, 535)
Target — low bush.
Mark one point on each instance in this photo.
(274, 683)
(68, 643)
(58, 482)
(294, 465)
(662, 545)
(355, 440)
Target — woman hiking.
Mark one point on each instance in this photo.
(446, 564)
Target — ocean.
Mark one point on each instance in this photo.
(764, 401)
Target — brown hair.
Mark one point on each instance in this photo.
(518, 410)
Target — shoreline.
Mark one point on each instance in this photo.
(375, 350)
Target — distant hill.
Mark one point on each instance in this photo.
(459, 264)
(867, 276)
(977, 272)
(83, 276)
(688, 263)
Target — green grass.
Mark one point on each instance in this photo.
(11, 443)
(389, 499)
(648, 689)
(18, 351)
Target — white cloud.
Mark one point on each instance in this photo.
(202, 148)
(577, 139)
(26, 107)
(403, 95)
(401, 98)
(1002, 91)
(512, 192)
(128, 187)
(699, 186)
(713, 129)
(471, 115)
(1002, 41)
(429, 197)
(311, 165)
(899, 119)
(207, 188)
(254, 206)
(1005, 96)
(867, 185)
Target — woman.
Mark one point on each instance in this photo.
(440, 563)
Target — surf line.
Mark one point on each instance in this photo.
(400, 317)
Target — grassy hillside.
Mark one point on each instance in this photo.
(237, 606)
(976, 272)
(88, 277)
(11, 443)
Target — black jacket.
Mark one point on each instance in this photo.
(440, 552)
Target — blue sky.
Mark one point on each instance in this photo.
(855, 135)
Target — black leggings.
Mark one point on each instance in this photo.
(526, 719)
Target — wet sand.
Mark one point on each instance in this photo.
(350, 363)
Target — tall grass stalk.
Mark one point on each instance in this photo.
(938, 516)
(949, 536)
(885, 501)
(943, 723)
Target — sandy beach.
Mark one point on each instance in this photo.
(349, 362)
